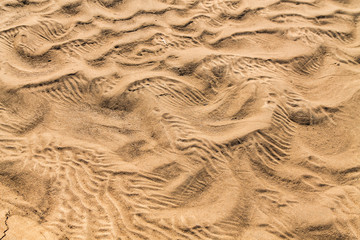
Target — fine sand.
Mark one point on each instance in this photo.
(179, 119)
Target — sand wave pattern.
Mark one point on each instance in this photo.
(179, 119)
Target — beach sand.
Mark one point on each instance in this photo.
(179, 119)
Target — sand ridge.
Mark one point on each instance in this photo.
(179, 119)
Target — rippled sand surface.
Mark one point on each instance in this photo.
(179, 119)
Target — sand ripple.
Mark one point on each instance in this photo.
(179, 119)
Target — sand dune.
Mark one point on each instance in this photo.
(179, 119)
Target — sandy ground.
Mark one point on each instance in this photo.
(179, 119)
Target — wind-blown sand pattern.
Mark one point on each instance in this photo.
(179, 119)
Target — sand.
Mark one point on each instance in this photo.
(179, 119)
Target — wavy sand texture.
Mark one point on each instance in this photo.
(179, 119)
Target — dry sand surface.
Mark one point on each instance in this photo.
(179, 119)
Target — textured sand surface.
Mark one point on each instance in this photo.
(179, 119)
